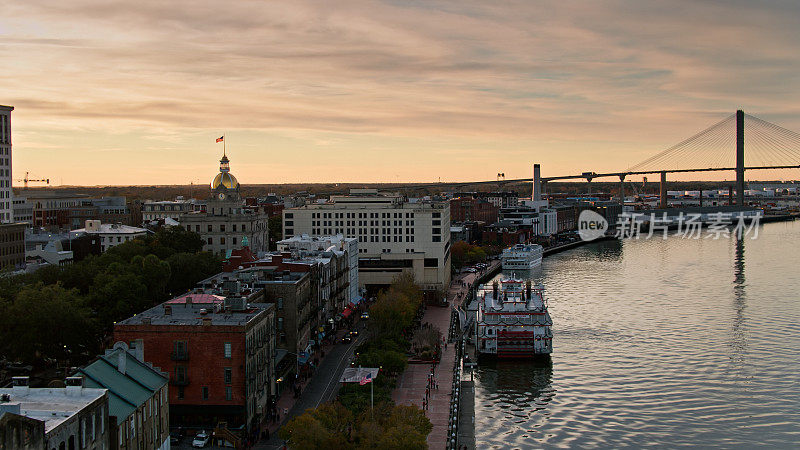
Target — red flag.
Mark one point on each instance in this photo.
(220, 139)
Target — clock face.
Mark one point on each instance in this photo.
(221, 196)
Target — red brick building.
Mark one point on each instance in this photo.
(218, 354)
(468, 209)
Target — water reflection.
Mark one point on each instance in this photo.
(738, 335)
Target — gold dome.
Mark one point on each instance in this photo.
(225, 179)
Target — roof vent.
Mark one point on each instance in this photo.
(19, 385)
(74, 386)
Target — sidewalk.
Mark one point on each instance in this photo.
(412, 382)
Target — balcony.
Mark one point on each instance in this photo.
(181, 381)
(180, 356)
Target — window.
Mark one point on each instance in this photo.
(222, 241)
(437, 239)
(289, 215)
(280, 303)
(180, 392)
(210, 241)
(431, 262)
(280, 323)
(436, 215)
(437, 231)
(228, 393)
(210, 228)
(228, 350)
(228, 375)
(205, 392)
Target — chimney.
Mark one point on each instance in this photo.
(74, 386)
(167, 310)
(122, 358)
(19, 385)
(189, 300)
(537, 184)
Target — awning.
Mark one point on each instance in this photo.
(346, 313)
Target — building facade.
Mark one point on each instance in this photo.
(394, 235)
(172, 209)
(12, 245)
(218, 354)
(227, 222)
(6, 195)
(469, 209)
(110, 234)
(137, 397)
(72, 417)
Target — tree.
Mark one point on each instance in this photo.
(323, 428)
(275, 226)
(45, 322)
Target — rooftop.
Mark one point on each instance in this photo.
(112, 228)
(53, 406)
(184, 311)
(129, 388)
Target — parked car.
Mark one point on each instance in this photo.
(365, 316)
(175, 436)
(201, 440)
(346, 339)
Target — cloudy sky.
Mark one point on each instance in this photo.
(121, 92)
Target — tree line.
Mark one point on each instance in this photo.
(66, 313)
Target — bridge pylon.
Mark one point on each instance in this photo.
(740, 158)
(663, 187)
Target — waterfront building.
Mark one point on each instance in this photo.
(137, 398)
(71, 417)
(110, 234)
(217, 351)
(12, 245)
(6, 172)
(394, 235)
(227, 223)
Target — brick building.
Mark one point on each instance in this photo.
(470, 209)
(218, 354)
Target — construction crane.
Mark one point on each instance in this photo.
(27, 179)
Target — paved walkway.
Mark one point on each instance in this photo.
(411, 384)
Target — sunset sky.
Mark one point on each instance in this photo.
(120, 92)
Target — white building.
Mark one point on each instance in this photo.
(6, 207)
(111, 234)
(305, 246)
(394, 235)
(72, 417)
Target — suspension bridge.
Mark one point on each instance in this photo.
(720, 147)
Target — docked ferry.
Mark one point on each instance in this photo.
(522, 257)
(513, 321)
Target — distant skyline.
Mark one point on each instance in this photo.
(120, 93)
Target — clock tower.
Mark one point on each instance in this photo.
(225, 187)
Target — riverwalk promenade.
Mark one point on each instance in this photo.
(413, 382)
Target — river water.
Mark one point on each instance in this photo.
(663, 343)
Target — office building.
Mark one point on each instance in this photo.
(6, 195)
(394, 235)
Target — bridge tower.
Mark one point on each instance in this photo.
(740, 158)
(663, 189)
